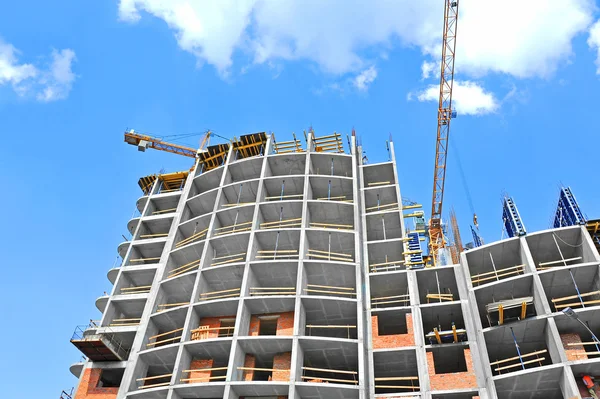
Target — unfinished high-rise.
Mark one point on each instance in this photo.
(273, 271)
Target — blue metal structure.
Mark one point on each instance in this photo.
(512, 220)
(477, 241)
(414, 244)
(568, 212)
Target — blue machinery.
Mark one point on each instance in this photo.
(511, 219)
(568, 212)
(477, 241)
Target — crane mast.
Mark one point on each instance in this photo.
(445, 114)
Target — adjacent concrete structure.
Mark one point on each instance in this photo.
(290, 275)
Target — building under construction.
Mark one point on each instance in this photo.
(275, 271)
(296, 270)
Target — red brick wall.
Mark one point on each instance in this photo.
(254, 326)
(87, 386)
(460, 380)
(213, 322)
(285, 324)
(573, 349)
(283, 362)
(393, 341)
(200, 376)
(249, 361)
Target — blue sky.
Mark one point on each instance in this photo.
(74, 75)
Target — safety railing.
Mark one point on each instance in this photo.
(184, 268)
(310, 327)
(395, 300)
(559, 302)
(387, 266)
(166, 306)
(392, 383)
(231, 293)
(193, 238)
(234, 228)
(223, 260)
(90, 332)
(329, 255)
(325, 379)
(205, 375)
(205, 332)
(284, 197)
(338, 198)
(333, 226)
(497, 275)
(168, 337)
(142, 289)
(143, 261)
(277, 254)
(153, 379)
(267, 291)
(282, 224)
(518, 362)
(151, 236)
(315, 289)
(125, 322)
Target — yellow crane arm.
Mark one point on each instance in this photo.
(143, 142)
(436, 237)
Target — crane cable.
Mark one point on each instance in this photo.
(464, 183)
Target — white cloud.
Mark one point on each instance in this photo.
(46, 85)
(330, 34)
(468, 98)
(57, 82)
(428, 69)
(520, 38)
(594, 43)
(211, 30)
(365, 78)
(10, 70)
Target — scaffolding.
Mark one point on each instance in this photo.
(568, 212)
(67, 395)
(510, 309)
(98, 346)
(593, 228)
(213, 157)
(512, 219)
(332, 143)
(250, 145)
(285, 147)
(168, 182)
(453, 335)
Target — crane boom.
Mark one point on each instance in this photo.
(144, 142)
(445, 114)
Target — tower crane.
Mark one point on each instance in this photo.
(143, 142)
(445, 114)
